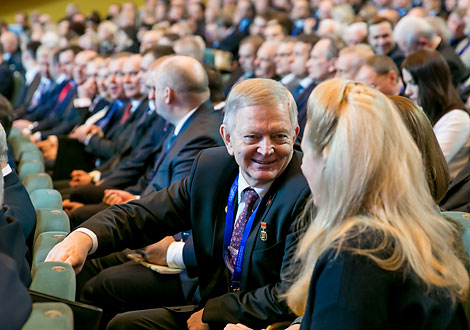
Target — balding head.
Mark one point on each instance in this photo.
(180, 85)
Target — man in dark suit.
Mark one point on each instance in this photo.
(6, 78)
(414, 33)
(255, 182)
(195, 128)
(12, 52)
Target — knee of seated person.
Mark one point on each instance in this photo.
(122, 321)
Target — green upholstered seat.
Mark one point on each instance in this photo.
(50, 316)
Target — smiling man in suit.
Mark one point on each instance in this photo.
(240, 202)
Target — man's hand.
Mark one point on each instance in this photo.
(69, 206)
(115, 196)
(73, 250)
(156, 253)
(79, 178)
(195, 321)
(237, 326)
(21, 124)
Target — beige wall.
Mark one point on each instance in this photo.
(56, 8)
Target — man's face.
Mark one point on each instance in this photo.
(258, 26)
(456, 26)
(382, 83)
(247, 57)
(301, 55)
(273, 33)
(319, 67)
(265, 66)
(284, 58)
(381, 38)
(101, 81)
(262, 143)
(132, 77)
(114, 79)
(79, 68)
(66, 64)
(344, 66)
(43, 61)
(147, 60)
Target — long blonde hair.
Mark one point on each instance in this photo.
(373, 178)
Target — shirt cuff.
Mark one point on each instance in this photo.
(93, 237)
(36, 136)
(88, 138)
(6, 170)
(82, 102)
(95, 175)
(174, 255)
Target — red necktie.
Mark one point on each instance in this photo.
(126, 113)
(63, 92)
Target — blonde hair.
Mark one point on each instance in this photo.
(373, 179)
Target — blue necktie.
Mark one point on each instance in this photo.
(168, 144)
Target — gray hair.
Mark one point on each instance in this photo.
(3, 145)
(259, 91)
(410, 28)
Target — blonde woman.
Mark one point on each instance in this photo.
(377, 255)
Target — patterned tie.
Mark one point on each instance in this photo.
(250, 197)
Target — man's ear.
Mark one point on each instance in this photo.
(168, 95)
(227, 138)
(297, 131)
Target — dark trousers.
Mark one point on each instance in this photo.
(160, 318)
(118, 285)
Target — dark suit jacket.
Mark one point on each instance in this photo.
(6, 81)
(200, 131)
(16, 305)
(198, 203)
(46, 104)
(27, 92)
(302, 100)
(12, 243)
(457, 68)
(15, 63)
(117, 135)
(351, 292)
(59, 111)
(74, 117)
(130, 169)
(19, 204)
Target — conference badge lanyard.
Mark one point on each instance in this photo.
(237, 271)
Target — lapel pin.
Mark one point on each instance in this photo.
(263, 235)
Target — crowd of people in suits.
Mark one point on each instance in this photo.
(288, 156)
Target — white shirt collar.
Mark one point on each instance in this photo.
(261, 190)
(287, 79)
(6, 170)
(135, 104)
(305, 82)
(180, 124)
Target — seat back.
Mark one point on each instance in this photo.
(29, 167)
(35, 181)
(46, 316)
(44, 243)
(51, 220)
(55, 279)
(46, 199)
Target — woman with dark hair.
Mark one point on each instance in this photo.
(428, 83)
